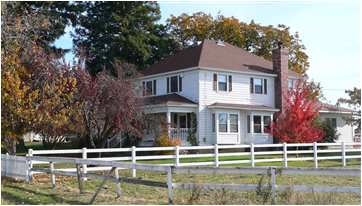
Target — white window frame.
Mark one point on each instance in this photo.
(227, 123)
(227, 82)
(252, 114)
(144, 90)
(262, 87)
(169, 83)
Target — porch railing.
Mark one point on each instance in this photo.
(181, 133)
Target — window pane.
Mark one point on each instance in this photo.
(174, 82)
(233, 123)
(257, 124)
(258, 86)
(267, 120)
(149, 88)
(248, 123)
(213, 122)
(332, 122)
(222, 79)
(223, 122)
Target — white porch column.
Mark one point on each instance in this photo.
(168, 122)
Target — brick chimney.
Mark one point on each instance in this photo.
(280, 66)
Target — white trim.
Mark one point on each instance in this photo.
(170, 105)
(246, 109)
(335, 112)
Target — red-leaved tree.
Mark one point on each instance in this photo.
(109, 106)
(296, 122)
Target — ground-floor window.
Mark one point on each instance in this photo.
(258, 123)
(332, 122)
(223, 122)
(227, 122)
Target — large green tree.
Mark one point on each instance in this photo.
(188, 30)
(353, 101)
(124, 31)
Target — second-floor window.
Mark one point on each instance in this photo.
(149, 87)
(258, 86)
(174, 84)
(222, 82)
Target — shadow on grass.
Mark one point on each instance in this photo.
(22, 200)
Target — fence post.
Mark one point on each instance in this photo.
(285, 154)
(315, 154)
(177, 154)
(30, 154)
(84, 166)
(118, 183)
(79, 178)
(252, 156)
(7, 164)
(343, 154)
(52, 176)
(273, 181)
(216, 155)
(169, 186)
(133, 161)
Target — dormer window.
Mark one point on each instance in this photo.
(174, 84)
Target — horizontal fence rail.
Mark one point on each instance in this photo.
(169, 184)
(249, 154)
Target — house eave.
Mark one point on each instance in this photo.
(334, 112)
(246, 109)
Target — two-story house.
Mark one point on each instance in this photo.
(230, 93)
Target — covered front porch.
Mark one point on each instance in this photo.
(176, 116)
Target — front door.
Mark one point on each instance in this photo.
(182, 121)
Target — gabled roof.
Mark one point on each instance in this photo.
(168, 100)
(209, 54)
(329, 108)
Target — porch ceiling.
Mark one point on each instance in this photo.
(247, 107)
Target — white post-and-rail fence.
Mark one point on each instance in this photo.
(251, 154)
(113, 175)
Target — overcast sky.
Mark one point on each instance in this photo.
(330, 30)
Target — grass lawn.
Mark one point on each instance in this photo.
(66, 192)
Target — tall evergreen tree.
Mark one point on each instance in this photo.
(125, 31)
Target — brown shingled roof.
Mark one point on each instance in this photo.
(168, 99)
(210, 54)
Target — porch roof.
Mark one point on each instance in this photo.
(169, 100)
(248, 107)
